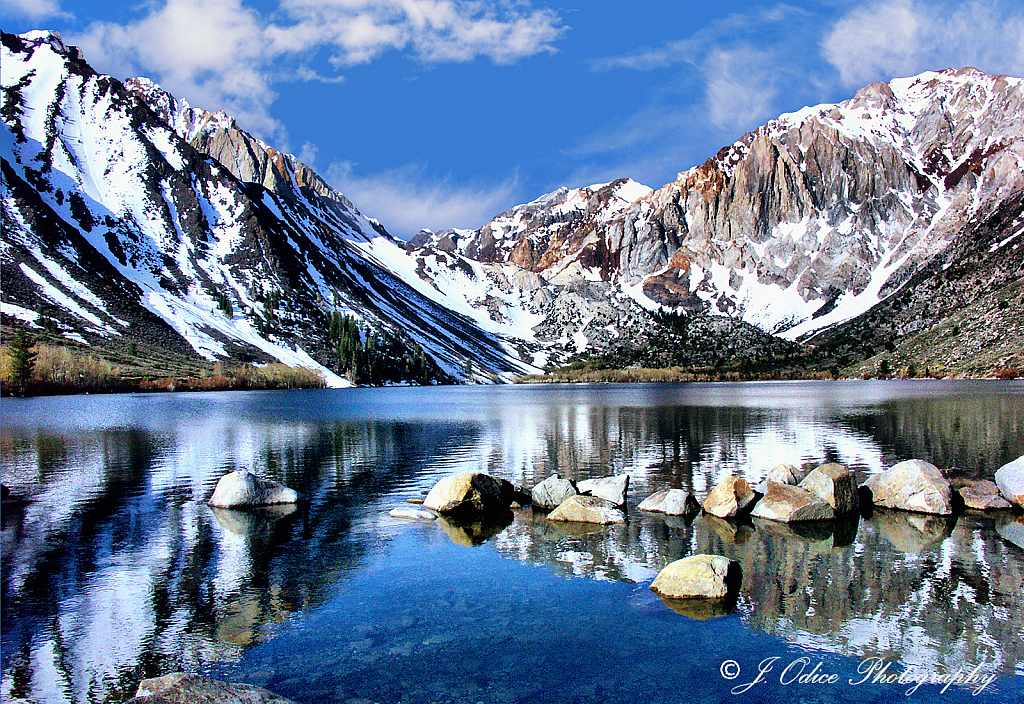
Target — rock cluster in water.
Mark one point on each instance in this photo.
(474, 506)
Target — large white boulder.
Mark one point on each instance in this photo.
(1010, 480)
(552, 491)
(609, 488)
(243, 488)
(913, 485)
(470, 493)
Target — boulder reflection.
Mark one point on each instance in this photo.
(929, 591)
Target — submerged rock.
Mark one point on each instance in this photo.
(705, 576)
(980, 494)
(183, 688)
(729, 498)
(415, 514)
(552, 491)
(243, 488)
(469, 493)
(913, 485)
(790, 504)
(834, 484)
(673, 502)
(698, 608)
(609, 488)
(728, 529)
(1010, 480)
(588, 509)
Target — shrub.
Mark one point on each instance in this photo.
(1007, 373)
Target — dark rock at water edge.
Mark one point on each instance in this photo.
(834, 484)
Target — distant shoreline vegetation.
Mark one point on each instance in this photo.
(49, 370)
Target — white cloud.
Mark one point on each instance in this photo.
(219, 54)
(737, 58)
(894, 38)
(307, 153)
(33, 9)
(210, 52)
(407, 199)
(740, 87)
(434, 31)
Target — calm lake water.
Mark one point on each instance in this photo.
(114, 568)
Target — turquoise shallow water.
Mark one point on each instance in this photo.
(114, 568)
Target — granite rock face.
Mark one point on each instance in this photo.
(588, 509)
(552, 491)
(979, 494)
(834, 484)
(698, 576)
(1010, 480)
(913, 485)
(729, 498)
(814, 203)
(469, 493)
(610, 488)
(792, 504)
(243, 488)
(672, 502)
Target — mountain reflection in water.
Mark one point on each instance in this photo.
(115, 569)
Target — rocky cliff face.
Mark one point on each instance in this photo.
(799, 226)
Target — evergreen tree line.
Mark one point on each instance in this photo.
(376, 357)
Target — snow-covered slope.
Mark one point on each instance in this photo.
(130, 216)
(127, 214)
(800, 225)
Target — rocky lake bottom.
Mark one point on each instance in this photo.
(115, 569)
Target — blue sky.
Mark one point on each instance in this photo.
(443, 113)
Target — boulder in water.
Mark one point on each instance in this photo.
(243, 488)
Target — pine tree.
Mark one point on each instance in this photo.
(23, 359)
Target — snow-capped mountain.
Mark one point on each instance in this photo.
(800, 225)
(131, 217)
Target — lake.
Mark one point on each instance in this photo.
(114, 569)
